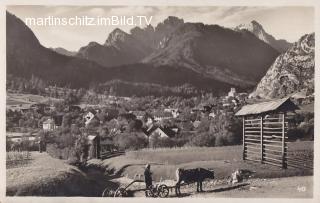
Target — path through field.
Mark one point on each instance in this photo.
(291, 187)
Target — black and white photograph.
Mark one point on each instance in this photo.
(168, 101)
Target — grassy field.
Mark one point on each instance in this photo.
(306, 108)
(15, 99)
(46, 176)
(223, 160)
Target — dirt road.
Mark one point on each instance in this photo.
(291, 187)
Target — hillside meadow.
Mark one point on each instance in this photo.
(47, 176)
(223, 160)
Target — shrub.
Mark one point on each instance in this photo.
(202, 139)
(64, 144)
(59, 153)
(158, 142)
(131, 141)
(220, 141)
(224, 129)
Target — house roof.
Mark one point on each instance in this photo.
(91, 137)
(58, 119)
(168, 131)
(163, 114)
(150, 129)
(49, 121)
(284, 104)
(299, 95)
(92, 111)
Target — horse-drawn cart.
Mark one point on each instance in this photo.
(159, 190)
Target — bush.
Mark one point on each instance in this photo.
(59, 153)
(131, 141)
(202, 140)
(158, 142)
(220, 141)
(221, 130)
(64, 144)
(302, 128)
(304, 131)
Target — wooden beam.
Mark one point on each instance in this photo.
(270, 145)
(250, 120)
(272, 141)
(255, 144)
(243, 138)
(250, 139)
(284, 164)
(261, 138)
(272, 163)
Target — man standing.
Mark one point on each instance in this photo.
(147, 177)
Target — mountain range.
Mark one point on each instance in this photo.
(27, 57)
(256, 28)
(63, 51)
(173, 53)
(292, 71)
(216, 52)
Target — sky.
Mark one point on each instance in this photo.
(288, 23)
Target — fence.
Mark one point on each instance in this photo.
(17, 158)
(265, 139)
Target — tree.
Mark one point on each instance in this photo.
(134, 125)
(103, 131)
(66, 120)
(131, 141)
(203, 139)
(71, 98)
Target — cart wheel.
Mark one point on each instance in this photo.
(163, 191)
(148, 193)
(120, 192)
(107, 192)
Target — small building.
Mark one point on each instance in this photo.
(90, 116)
(162, 116)
(212, 115)
(139, 114)
(58, 120)
(162, 132)
(17, 136)
(232, 92)
(107, 145)
(175, 112)
(94, 146)
(299, 96)
(48, 125)
(265, 127)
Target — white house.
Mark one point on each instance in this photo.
(89, 117)
(175, 112)
(232, 92)
(17, 137)
(159, 116)
(163, 132)
(49, 125)
(212, 115)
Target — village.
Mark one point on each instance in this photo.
(144, 129)
(162, 123)
(118, 125)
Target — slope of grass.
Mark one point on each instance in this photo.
(15, 99)
(223, 160)
(45, 176)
